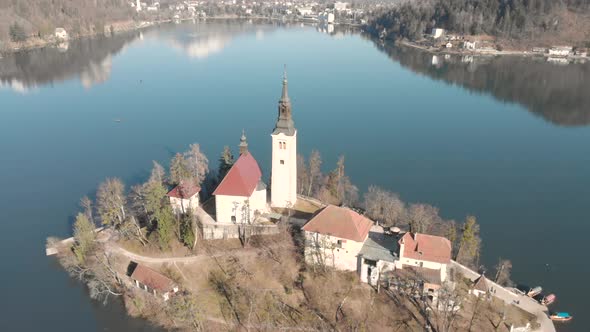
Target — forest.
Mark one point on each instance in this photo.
(20, 19)
(517, 19)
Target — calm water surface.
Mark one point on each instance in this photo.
(505, 139)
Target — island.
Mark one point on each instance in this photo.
(193, 248)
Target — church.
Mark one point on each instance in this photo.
(242, 196)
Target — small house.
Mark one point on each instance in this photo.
(335, 236)
(437, 33)
(560, 50)
(427, 251)
(153, 282)
(480, 286)
(183, 197)
(469, 45)
(61, 34)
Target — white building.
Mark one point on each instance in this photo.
(184, 197)
(377, 256)
(425, 251)
(437, 33)
(469, 45)
(61, 33)
(241, 196)
(326, 17)
(335, 236)
(138, 5)
(304, 11)
(340, 6)
(560, 50)
(153, 282)
(284, 155)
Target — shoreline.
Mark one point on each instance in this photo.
(481, 53)
(127, 26)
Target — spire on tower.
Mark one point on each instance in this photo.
(243, 143)
(285, 94)
(285, 123)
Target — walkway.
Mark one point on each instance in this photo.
(525, 303)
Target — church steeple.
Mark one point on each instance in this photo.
(285, 122)
(243, 143)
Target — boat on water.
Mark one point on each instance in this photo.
(547, 300)
(535, 291)
(561, 317)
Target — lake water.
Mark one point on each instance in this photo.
(505, 139)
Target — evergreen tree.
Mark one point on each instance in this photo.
(17, 33)
(84, 237)
(166, 225)
(226, 161)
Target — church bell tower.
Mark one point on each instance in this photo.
(284, 155)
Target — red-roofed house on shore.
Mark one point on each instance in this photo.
(183, 197)
(153, 282)
(241, 195)
(335, 236)
(427, 251)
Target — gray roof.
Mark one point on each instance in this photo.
(380, 247)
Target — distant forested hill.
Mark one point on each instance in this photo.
(41, 17)
(519, 19)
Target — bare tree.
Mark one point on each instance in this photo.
(86, 204)
(384, 206)
(197, 162)
(503, 271)
(302, 175)
(158, 173)
(110, 199)
(315, 172)
(421, 216)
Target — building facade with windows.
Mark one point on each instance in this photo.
(334, 237)
(284, 155)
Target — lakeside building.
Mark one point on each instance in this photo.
(560, 50)
(425, 251)
(480, 286)
(335, 237)
(153, 282)
(184, 197)
(61, 34)
(437, 33)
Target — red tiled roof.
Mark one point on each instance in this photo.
(242, 178)
(426, 247)
(184, 191)
(152, 279)
(339, 222)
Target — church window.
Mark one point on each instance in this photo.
(233, 218)
(282, 162)
(284, 145)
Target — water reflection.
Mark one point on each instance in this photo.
(557, 91)
(90, 60)
(86, 59)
